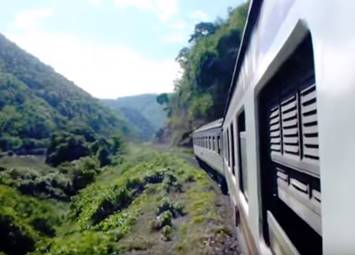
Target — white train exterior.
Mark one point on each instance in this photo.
(208, 145)
(287, 135)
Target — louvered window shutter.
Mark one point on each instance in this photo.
(309, 120)
(275, 131)
(290, 127)
(294, 147)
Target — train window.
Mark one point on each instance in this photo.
(242, 154)
(232, 142)
(213, 143)
(228, 149)
(219, 144)
(224, 146)
(290, 173)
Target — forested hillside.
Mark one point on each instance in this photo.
(143, 113)
(36, 102)
(208, 62)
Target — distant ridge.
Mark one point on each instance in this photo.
(153, 117)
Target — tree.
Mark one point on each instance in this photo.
(103, 155)
(65, 147)
(203, 29)
(207, 65)
(163, 99)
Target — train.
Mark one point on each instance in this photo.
(286, 144)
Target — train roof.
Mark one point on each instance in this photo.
(253, 15)
(214, 124)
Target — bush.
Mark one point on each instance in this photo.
(103, 155)
(86, 243)
(166, 233)
(65, 147)
(115, 201)
(15, 238)
(43, 226)
(54, 185)
(176, 209)
(23, 221)
(164, 219)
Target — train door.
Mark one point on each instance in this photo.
(289, 160)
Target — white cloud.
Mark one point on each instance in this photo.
(30, 19)
(174, 38)
(104, 71)
(164, 9)
(179, 25)
(198, 16)
(178, 32)
(95, 3)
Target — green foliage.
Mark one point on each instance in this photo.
(203, 29)
(24, 221)
(65, 147)
(163, 99)
(117, 207)
(176, 209)
(164, 219)
(81, 244)
(60, 183)
(208, 63)
(166, 232)
(35, 101)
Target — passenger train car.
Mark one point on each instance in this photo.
(208, 145)
(286, 142)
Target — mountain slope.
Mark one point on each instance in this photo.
(140, 126)
(145, 104)
(207, 65)
(35, 101)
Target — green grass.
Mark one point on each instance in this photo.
(118, 212)
(21, 162)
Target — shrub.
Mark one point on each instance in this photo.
(166, 233)
(115, 201)
(164, 219)
(43, 226)
(65, 147)
(103, 155)
(87, 242)
(16, 238)
(155, 177)
(176, 209)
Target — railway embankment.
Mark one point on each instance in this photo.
(153, 202)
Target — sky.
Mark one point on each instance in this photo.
(110, 48)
